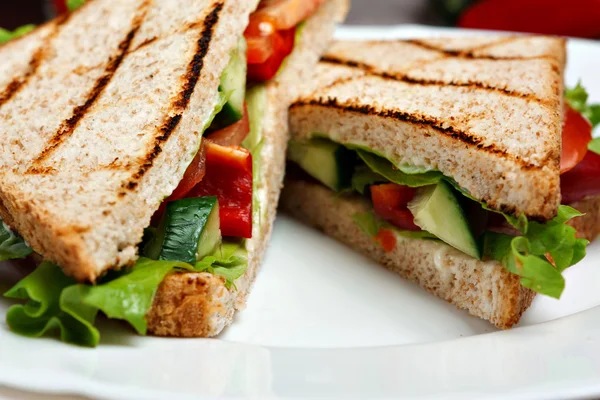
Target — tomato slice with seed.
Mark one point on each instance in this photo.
(390, 202)
(576, 135)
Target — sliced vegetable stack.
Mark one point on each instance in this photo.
(428, 205)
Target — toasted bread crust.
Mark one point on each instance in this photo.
(487, 113)
(485, 289)
(587, 226)
(199, 304)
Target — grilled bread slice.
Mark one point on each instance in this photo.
(588, 226)
(486, 112)
(198, 304)
(484, 288)
(101, 115)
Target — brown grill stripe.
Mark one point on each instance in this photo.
(370, 70)
(432, 123)
(470, 54)
(36, 60)
(183, 99)
(68, 127)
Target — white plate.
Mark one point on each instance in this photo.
(323, 321)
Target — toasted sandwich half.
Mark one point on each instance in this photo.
(143, 157)
(441, 159)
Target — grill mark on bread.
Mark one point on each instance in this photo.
(181, 102)
(398, 76)
(34, 63)
(188, 27)
(433, 123)
(495, 43)
(470, 54)
(68, 126)
(144, 44)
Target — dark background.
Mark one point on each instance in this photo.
(577, 18)
(14, 13)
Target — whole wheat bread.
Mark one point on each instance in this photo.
(101, 112)
(486, 112)
(484, 288)
(199, 304)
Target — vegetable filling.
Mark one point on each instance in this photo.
(424, 204)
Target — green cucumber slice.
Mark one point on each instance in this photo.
(437, 210)
(233, 83)
(328, 162)
(189, 230)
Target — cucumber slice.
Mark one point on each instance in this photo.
(189, 230)
(437, 210)
(233, 83)
(330, 163)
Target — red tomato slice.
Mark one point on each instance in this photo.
(284, 44)
(386, 239)
(233, 135)
(287, 13)
(390, 203)
(551, 17)
(229, 177)
(577, 133)
(260, 38)
(193, 175)
(581, 181)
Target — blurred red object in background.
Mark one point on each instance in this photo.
(579, 18)
(60, 6)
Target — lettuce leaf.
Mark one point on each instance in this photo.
(364, 177)
(42, 313)
(577, 98)
(525, 255)
(73, 5)
(55, 302)
(519, 222)
(388, 170)
(6, 36)
(229, 261)
(594, 145)
(12, 246)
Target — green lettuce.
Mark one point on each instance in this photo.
(389, 171)
(6, 36)
(594, 145)
(55, 302)
(525, 255)
(519, 222)
(363, 177)
(73, 5)
(12, 246)
(578, 99)
(43, 313)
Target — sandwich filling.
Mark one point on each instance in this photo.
(203, 226)
(425, 204)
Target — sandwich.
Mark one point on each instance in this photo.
(455, 162)
(143, 157)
